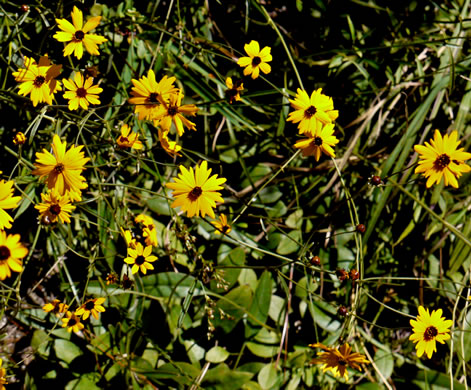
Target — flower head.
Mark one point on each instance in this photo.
(7, 201)
(62, 168)
(56, 307)
(78, 35)
(321, 141)
(309, 111)
(257, 59)
(171, 147)
(72, 322)
(234, 89)
(147, 226)
(19, 138)
(172, 110)
(221, 226)
(429, 328)
(55, 207)
(93, 307)
(195, 191)
(128, 139)
(140, 258)
(337, 360)
(441, 158)
(11, 253)
(147, 94)
(81, 92)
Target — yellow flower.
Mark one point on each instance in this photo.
(172, 110)
(3, 372)
(63, 168)
(56, 306)
(93, 307)
(195, 191)
(321, 141)
(171, 147)
(77, 34)
(19, 138)
(148, 94)
(441, 158)
(257, 59)
(81, 93)
(141, 258)
(55, 206)
(38, 80)
(310, 111)
(429, 328)
(131, 241)
(221, 226)
(128, 139)
(11, 253)
(234, 89)
(7, 201)
(337, 360)
(148, 229)
(72, 322)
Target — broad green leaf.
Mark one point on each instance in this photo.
(269, 378)
(217, 355)
(235, 304)
(289, 243)
(385, 362)
(87, 381)
(66, 350)
(235, 258)
(260, 304)
(222, 377)
(260, 350)
(180, 372)
(295, 220)
(166, 284)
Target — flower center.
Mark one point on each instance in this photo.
(89, 305)
(225, 228)
(59, 168)
(55, 209)
(4, 253)
(318, 141)
(79, 35)
(72, 322)
(153, 98)
(256, 61)
(38, 81)
(195, 193)
(81, 92)
(342, 362)
(309, 112)
(441, 162)
(140, 260)
(172, 110)
(123, 140)
(430, 333)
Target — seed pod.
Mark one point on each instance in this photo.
(360, 228)
(25, 8)
(343, 311)
(354, 274)
(341, 274)
(376, 180)
(315, 260)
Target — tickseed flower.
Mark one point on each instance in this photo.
(221, 226)
(3, 372)
(195, 191)
(256, 61)
(429, 328)
(81, 92)
(171, 147)
(321, 141)
(72, 322)
(234, 89)
(63, 168)
(141, 258)
(337, 360)
(7, 201)
(93, 307)
(130, 239)
(172, 110)
(55, 207)
(311, 110)
(19, 138)
(441, 158)
(148, 94)
(56, 307)
(128, 139)
(11, 253)
(77, 34)
(148, 229)
(38, 80)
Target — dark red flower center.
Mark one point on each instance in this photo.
(89, 305)
(430, 333)
(256, 61)
(72, 322)
(79, 35)
(38, 81)
(153, 98)
(225, 228)
(195, 193)
(59, 168)
(172, 110)
(342, 362)
(318, 141)
(81, 92)
(123, 140)
(140, 260)
(4, 253)
(55, 209)
(441, 162)
(309, 112)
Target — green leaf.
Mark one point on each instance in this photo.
(222, 377)
(87, 381)
(66, 350)
(295, 220)
(235, 304)
(167, 284)
(289, 243)
(385, 362)
(260, 304)
(235, 258)
(217, 355)
(268, 377)
(260, 350)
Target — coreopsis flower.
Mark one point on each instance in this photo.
(130, 239)
(93, 307)
(234, 89)
(337, 360)
(38, 80)
(256, 61)
(7, 201)
(62, 168)
(81, 92)
(56, 307)
(55, 207)
(12, 252)
(309, 111)
(171, 110)
(221, 225)
(429, 328)
(148, 229)
(321, 141)
(72, 322)
(112, 278)
(441, 158)
(129, 139)
(195, 191)
(77, 34)
(19, 138)
(140, 258)
(171, 147)
(3, 372)
(148, 94)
